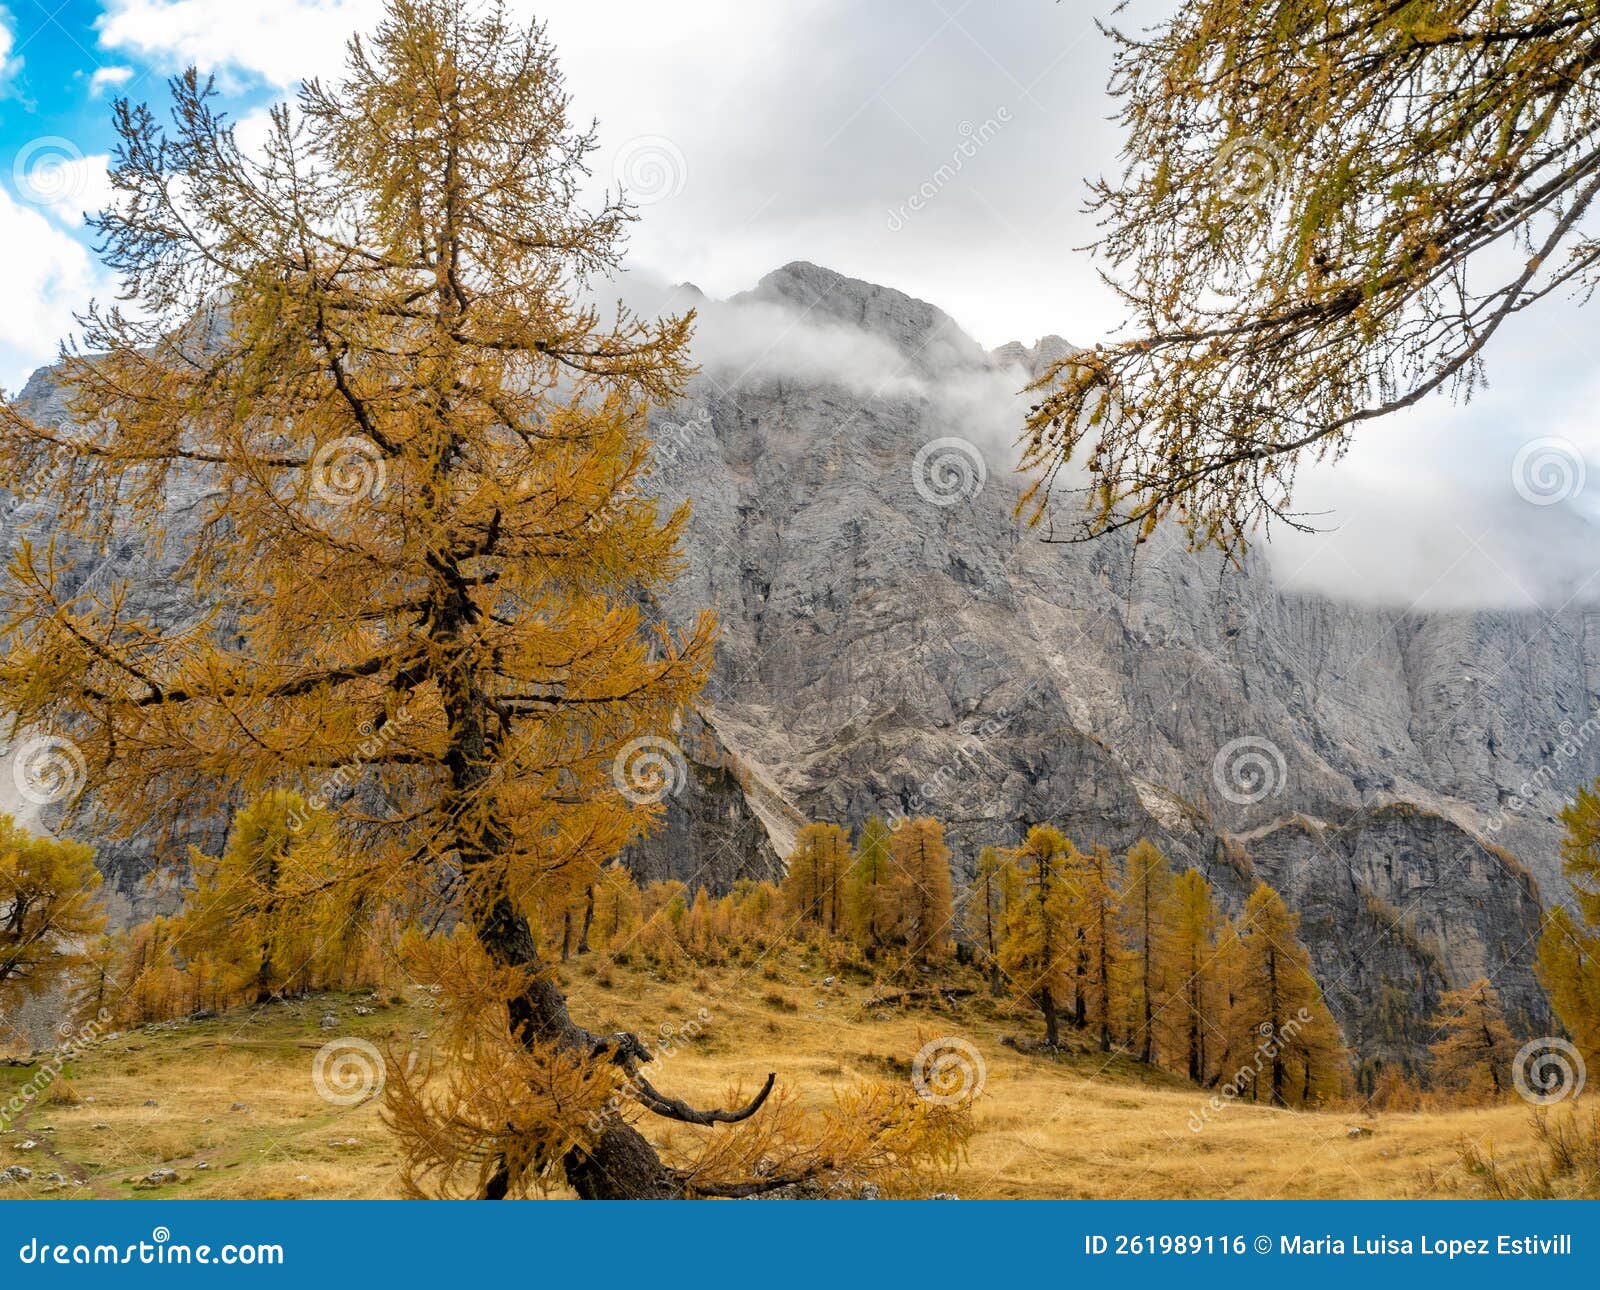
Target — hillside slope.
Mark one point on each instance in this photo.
(894, 641)
(230, 1106)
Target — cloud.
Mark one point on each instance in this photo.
(277, 41)
(802, 129)
(1453, 505)
(758, 337)
(755, 134)
(9, 66)
(105, 78)
(45, 275)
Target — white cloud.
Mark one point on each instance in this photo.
(1488, 504)
(105, 78)
(800, 131)
(9, 66)
(802, 127)
(45, 275)
(280, 41)
(49, 172)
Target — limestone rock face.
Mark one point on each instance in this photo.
(895, 641)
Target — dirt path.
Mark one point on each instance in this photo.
(65, 1164)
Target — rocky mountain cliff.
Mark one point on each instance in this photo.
(893, 641)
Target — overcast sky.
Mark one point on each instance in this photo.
(758, 133)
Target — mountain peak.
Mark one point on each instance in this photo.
(922, 331)
(1037, 358)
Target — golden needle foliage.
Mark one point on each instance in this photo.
(1569, 950)
(48, 910)
(419, 574)
(1327, 210)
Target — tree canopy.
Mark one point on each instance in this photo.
(1326, 212)
(419, 572)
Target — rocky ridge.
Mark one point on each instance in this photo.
(894, 641)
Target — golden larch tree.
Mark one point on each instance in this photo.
(922, 861)
(875, 888)
(420, 565)
(994, 890)
(1099, 957)
(1325, 212)
(1039, 951)
(1279, 1031)
(1569, 948)
(818, 871)
(1146, 895)
(1474, 1050)
(1194, 1004)
(248, 907)
(50, 911)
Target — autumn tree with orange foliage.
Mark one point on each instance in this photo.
(421, 563)
(1040, 951)
(1474, 1052)
(1569, 949)
(49, 907)
(921, 859)
(814, 885)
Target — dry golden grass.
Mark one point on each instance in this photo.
(1080, 1125)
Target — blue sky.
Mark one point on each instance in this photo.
(763, 133)
(799, 128)
(58, 75)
